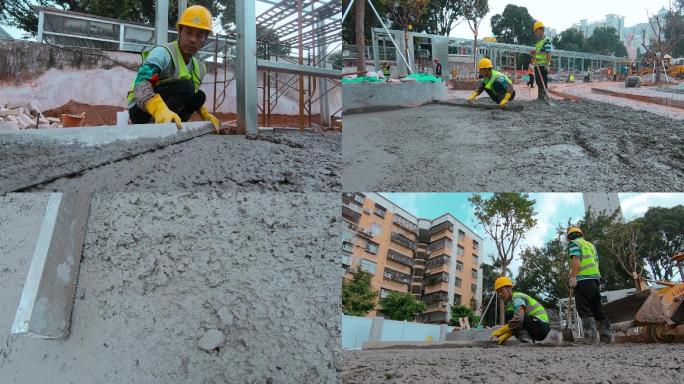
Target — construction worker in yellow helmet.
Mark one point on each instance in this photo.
(526, 318)
(166, 87)
(541, 58)
(497, 85)
(585, 280)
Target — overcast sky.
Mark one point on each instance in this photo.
(561, 15)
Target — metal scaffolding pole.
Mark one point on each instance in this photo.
(182, 5)
(301, 62)
(161, 22)
(246, 74)
(323, 106)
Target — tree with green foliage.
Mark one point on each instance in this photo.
(505, 217)
(358, 298)
(474, 12)
(458, 311)
(370, 21)
(513, 26)
(626, 244)
(663, 236)
(605, 41)
(569, 40)
(442, 16)
(402, 306)
(674, 28)
(19, 14)
(543, 272)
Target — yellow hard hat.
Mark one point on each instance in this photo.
(484, 63)
(537, 25)
(196, 16)
(572, 230)
(502, 281)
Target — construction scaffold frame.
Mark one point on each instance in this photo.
(458, 52)
(309, 27)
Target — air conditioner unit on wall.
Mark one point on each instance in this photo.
(352, 270)
(367, 211)
(443, 304)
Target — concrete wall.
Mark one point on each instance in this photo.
(162, 272)
(50, 76)
(375, 96)
(358, 330)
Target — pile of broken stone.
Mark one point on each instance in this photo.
(25, 116)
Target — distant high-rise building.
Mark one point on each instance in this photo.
(603, 203)
(438, 261)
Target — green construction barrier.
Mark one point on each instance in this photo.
(361, 79)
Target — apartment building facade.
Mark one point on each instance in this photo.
(438, 261)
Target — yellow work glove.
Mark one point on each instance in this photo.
(161, 113)
(204, 112)
(503, 102)
(472, 97)
(501, 331)
(503, 338)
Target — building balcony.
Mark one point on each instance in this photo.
(436, 296)
(393, 275)
(399, 258)
(445, 226)
(444, 242)
(435, 262)
(350, 214)
(441, 277)
(405, 223)
(403, 240)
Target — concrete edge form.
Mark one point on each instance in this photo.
(368, 345)
(47, 298)
(107, 134)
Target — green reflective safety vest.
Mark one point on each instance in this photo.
(181, 69)
(532, 307)
(540, 56)
(386, 72)
(489, 84)
(589, 267)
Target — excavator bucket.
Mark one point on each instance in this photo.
(652, 306)
(625, 309)
(663, 306)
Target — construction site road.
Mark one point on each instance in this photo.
(283, 162)
(617, 363)
(541, 149)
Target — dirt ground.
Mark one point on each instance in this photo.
(106, 115)
(285, 162)
(185, 288)
(620, 363)
(543, 149)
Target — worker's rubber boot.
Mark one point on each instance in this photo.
(605, 334)
(590, 331)
(523, 336)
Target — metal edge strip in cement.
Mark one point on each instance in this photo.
(107, 133)
(47, 299)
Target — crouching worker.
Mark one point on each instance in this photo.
(166, 88)
(497, 85)
(526, 319)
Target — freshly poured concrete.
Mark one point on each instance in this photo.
(270, 162)
(622, 363)
(543, 148)
(192, 288)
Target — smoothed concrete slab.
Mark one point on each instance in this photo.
(48, 296)
(369, 97)
(107, 133)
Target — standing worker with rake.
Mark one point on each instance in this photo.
(541, 55)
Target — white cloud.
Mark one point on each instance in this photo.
(636, 205)
(407, 201)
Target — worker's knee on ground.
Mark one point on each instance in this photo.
(198, 99)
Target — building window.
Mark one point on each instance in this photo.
(371, 247)
(347, 247)
(437, 261)
(441, 243)
(476, 260)
(457, 299)
(460, 251)
(473, 288)
(385, 292)
(375, 229)
(346, 260)
(458, 283)
(475, 245)
(473, 273)
(461, 236)
(473, 304)
(380, 210)
(459, 266)
(403, 240)
(368, 266)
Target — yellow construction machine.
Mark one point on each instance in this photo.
(657, 312)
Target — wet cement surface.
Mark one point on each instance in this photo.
(620, 363)
(284, 162)
(185, 288)
(567, 148)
